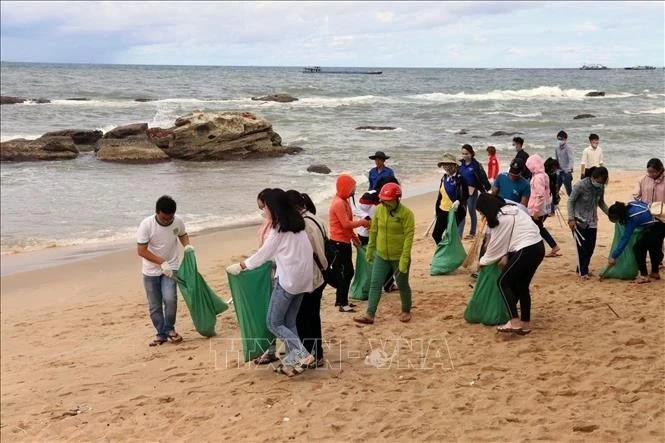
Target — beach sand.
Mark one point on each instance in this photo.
(76, 365)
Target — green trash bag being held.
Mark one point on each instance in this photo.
(203, 304)
(486, 305)
(626, 266)
(450, 253)
(362, 277)
(251, 291)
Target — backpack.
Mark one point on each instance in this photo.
(331, 257)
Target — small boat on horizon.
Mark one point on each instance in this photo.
(593, 67)
(641, 68)
(318, 70)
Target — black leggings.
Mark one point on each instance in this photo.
(442, 222)
(344, 262)
(515, 279)
(308, 322)
(544, 233)
(651, 241)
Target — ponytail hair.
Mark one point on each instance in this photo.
(489, 205)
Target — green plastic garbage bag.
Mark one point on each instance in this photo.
(201, 300)
(626, 266)
(251, 291)
(362, 276)
(486, 305)
(450, 253)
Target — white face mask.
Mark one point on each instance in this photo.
(560, 143)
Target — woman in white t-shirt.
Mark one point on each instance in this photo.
(289, 246)
(518, 247)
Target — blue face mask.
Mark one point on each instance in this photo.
(597, 185)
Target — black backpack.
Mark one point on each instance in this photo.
(329, 274)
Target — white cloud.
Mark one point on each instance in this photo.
(586, 27)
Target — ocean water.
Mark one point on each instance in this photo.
(87, 202)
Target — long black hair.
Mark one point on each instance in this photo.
(285, 215)
(301, 201)
(618, 213)
(489, 205)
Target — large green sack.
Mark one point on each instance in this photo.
(450, 253)
(626, 266)
(201, 300)
(251, 291)
(362, 276)
(486, 305)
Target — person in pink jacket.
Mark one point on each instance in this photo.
(540, 200)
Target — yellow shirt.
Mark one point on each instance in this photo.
(446, 204)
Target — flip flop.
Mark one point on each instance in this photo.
(554, 254)
(405, 317)
(364, 320)
(265, 359)
(346, 309)
(174, 337)
(509, 330)
(523, 332)
(157, 342)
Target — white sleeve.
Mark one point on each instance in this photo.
(143, 233)
(181, 228)
(499, 241)
(266, 252)
(601, 161)
(584, 161)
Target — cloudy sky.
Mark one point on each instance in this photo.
(367, 34)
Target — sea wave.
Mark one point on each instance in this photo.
(541, 92)
(514, 114)
(648, 111)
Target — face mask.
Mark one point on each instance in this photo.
(597, 185)
(560, 143)
(594, 145)
(466, 156)
(390, 205)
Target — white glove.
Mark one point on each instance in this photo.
(455, 205)
(166, 269)
(189, 248)
(234, 269)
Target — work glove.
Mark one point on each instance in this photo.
(404, 266)
(189, 248)
(455, 205)
(234, 269)
(166, 269)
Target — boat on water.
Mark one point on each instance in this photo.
(641, 68)
(318, 70)
(593, 67)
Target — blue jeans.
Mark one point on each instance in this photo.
(281, 321)
(471, 209)
(162, 302)
(566, 179)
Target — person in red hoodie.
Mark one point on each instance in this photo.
(340, 218)
(492, 164)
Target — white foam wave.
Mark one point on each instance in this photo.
(539, 93)
(332, 102)
(515, 114)
(648, 111)
(7, 137)
(383, 131)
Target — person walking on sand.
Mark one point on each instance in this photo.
(290, 248)
(340, 219)
(380, 170)
(452, 188)
(308, 322)
(476, 179)
(492, 164)
(516, 244)
(592, 156)
(157, 244)
(651, 189)
(587, 196)
(512, 186)
(564, 154)
(540, 200)
(391, 237)
(522, 155)
(635, 215)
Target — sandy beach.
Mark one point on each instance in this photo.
(76, 366)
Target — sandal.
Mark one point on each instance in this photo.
(405, 317)
(317, 364)
(305, 362)
(642, 279)
(290, 371)
(554, 253)
(364, 319)
(157, 342)
(346, 309)
(174, 337)
(654, 276)
(265, 359)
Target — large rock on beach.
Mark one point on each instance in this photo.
(500, 133)
(319, 169)
(45, 148)
(160, 137)
(79, 136)
(130, 151)
(78, 99)
(282, 98)
(595, 94)
(203, 136)
(376, 128)
(577, 117)
(133, 130)
(10, 100)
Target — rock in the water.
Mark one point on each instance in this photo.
(160, 137)
(41, 100)
(78, 99)
(577, 117)
(282, 98)
(143, 100)
(79, 136)
(477, 136)
(205, 136)
(130, 151)
(9, 100)
(49, 148)
(462, 132)
(500, 133)
(595, 94)
(319, 169)
(133, 130)
(376, 128)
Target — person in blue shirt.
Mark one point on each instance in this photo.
(381, 171)
(635, 215)
(511, 185)
(476, 179)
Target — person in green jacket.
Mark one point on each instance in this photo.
(391, 237)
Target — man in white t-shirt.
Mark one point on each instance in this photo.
(592, 156)
(157, 240)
